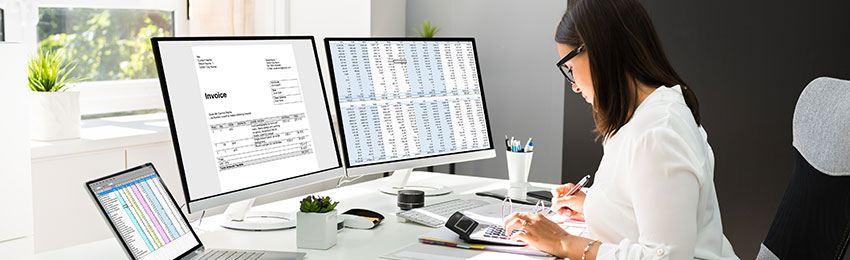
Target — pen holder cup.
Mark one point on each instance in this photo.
(519, 164)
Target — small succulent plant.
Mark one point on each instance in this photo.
(316, 204)
(427, 30)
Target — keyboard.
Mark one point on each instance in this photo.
(230, 255)
(436, 215)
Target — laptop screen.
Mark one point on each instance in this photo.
(143, 214)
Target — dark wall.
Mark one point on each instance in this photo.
(747, 61)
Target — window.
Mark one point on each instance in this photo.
(110, 43)
(106, 44)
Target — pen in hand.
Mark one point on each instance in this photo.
(575, 188)
(572, 191)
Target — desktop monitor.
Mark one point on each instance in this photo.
(408, 102)
(248, 117)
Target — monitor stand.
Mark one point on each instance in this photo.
(398, 181)
(238, 216)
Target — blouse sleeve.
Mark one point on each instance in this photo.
(664, 187)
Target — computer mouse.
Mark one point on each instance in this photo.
(361, 218)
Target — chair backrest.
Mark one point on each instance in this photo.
(813, 219)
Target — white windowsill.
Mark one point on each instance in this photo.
(108, 133)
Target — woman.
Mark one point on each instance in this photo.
(653, 195)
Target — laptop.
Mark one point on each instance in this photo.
(144, 216)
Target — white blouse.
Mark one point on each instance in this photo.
(653, 195)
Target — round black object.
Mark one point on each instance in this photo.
(411, 199)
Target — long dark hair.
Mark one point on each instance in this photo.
(622, 46)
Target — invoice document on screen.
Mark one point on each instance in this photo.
(255, 111)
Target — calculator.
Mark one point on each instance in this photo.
(476, 232)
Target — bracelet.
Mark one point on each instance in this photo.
(587, 248)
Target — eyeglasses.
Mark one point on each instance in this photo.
(562, 65)
(539, 208)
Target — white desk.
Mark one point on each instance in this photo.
(390, 236)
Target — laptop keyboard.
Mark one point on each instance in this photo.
(231, 255)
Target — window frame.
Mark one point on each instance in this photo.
(98, 97)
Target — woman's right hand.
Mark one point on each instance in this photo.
(570, 206)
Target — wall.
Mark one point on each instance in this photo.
(747, 61)
(16, 225)
(388, 18)
(522, 87)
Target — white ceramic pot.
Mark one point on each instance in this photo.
(54, 115)
(316, 230)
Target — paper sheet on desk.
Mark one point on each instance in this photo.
(445, 237)
(419, 251)
(493, 214)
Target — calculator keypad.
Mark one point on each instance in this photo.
(498, 232)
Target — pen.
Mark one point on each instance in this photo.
(578, 186)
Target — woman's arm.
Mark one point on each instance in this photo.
(547, 236)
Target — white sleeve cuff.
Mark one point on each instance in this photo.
(632, 251)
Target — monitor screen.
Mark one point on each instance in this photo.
(406, 98)
(245, 111)
(143, 214)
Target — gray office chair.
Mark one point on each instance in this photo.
(813, 219)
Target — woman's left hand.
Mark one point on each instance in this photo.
(538, 231)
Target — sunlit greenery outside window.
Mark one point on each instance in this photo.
(106, 44)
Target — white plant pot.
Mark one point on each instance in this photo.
(54, 115)
(316, 230)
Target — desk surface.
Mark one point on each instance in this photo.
(390, 236)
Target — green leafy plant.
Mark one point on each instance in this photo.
(49, 71)
(316, 204)
(427, 31)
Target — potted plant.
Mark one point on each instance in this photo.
(427, 30)
(54, 112)
(316, 223)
